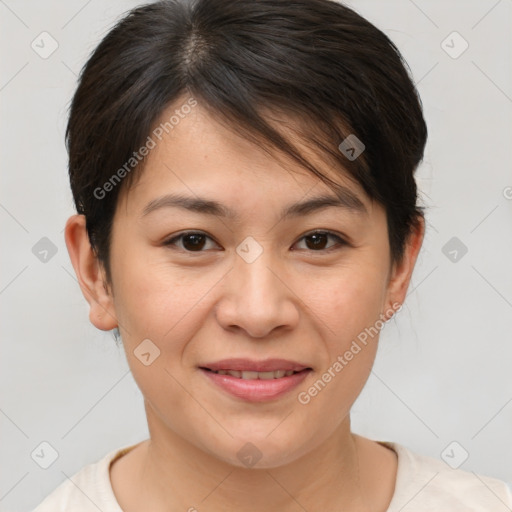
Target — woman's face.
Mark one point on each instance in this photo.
(255, 286)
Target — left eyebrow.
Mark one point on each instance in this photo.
(344, 198)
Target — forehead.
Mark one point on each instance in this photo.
(196, 155)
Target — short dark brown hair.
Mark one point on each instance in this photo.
(317, 61)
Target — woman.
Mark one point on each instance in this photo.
(243, 174)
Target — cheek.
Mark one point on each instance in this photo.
(348, 300)
(164, 306)
(348, 304)
(159, 302)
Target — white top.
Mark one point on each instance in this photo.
(423, 484)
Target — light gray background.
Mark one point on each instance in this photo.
(443, 369)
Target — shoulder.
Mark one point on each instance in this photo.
(426, 483)
(87, 490)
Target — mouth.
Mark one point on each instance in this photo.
(255, 381)
(251, 375)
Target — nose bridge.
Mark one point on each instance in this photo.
(252, 269)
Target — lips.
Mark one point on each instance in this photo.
(248, 375)
(256, 381)
(261, 367)
(256, 390)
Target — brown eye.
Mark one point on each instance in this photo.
(198, 242)
(190, 242)
(318, 240)
(194, 242)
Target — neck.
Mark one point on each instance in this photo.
(178, 474)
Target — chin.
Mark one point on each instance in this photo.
(263, 451)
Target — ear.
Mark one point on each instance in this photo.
(401, 272)
(90, 274)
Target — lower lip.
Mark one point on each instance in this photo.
(257, 390)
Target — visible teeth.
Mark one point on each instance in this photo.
(250, 375)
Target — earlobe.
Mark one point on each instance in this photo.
(402, 272)
(90, 274)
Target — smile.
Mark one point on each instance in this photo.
(249, 375)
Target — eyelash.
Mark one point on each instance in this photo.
(340, 241)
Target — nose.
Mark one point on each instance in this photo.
(259, 298)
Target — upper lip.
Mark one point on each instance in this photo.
(267, 365)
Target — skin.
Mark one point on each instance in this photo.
(293, 302)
